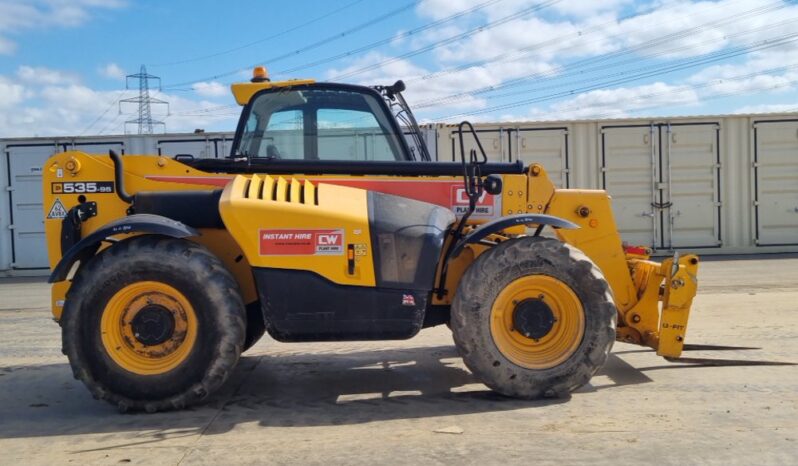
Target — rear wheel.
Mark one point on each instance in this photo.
(533, 317)
(153, 323)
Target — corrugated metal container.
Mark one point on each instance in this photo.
(22, 245)
(714, 184)
(710, 184)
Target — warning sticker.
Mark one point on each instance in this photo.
(57, 210)
(485, 204)
(301, 242)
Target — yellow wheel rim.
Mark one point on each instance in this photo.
(121, 328)
(562, 336)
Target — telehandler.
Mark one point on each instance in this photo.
(326, 223)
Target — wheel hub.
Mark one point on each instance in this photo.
(153, 325)
(533, 318)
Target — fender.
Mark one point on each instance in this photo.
(137, 223)
(482, 231)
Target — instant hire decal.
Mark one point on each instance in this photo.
(288, 242)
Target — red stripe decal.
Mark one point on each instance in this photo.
(203, 180)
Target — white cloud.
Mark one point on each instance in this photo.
(211, 89)
(438, 9)
(48, 101)
(40, 75)
(587, 8)
(608, 103)
(18, 15)
(11, 93)
(770, 70)
(769, 108)
(625, 99)
(399, 38)
(559, 38)
(60, 106)
(421, 91)
(112, 71)
(667, 29)
(764, 82)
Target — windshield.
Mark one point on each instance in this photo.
(320, 124)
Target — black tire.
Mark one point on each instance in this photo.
(256, 326)
(187, 267)
(491, 272)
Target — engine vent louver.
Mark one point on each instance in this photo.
(281, 190)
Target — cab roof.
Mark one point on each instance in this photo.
(243, 92)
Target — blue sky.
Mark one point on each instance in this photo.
(62, 62)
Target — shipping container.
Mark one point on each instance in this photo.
(711, 184)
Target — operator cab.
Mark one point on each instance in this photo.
(302, 120)
(304, 127)
(320, 122)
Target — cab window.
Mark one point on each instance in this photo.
(320, 124)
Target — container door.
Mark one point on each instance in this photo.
(691, 166)
(546, 146)
(776, 182)
(29, 247)
(494, 141)
(631, 174)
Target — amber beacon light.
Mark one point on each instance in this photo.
(259, 74)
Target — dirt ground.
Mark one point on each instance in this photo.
(413, 402)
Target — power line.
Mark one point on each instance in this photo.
(558, 41)
(717, 96)
(260, 41)
(602, 58)
(592, 79)
(639, 73)
(686, 64)
(100, 117)
(204, 110)
(451, 39)
(388, 40)
(648, 44)
(615, 65)
(110, 124)
(525, 50)
(314, 45)
(607, 84)
(695, 87)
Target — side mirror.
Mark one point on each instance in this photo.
(398, 86)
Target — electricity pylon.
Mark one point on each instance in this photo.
(144, 121)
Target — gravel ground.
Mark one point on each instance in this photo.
(413, 402)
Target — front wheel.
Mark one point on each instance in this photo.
(533, 317)
(153, 323)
